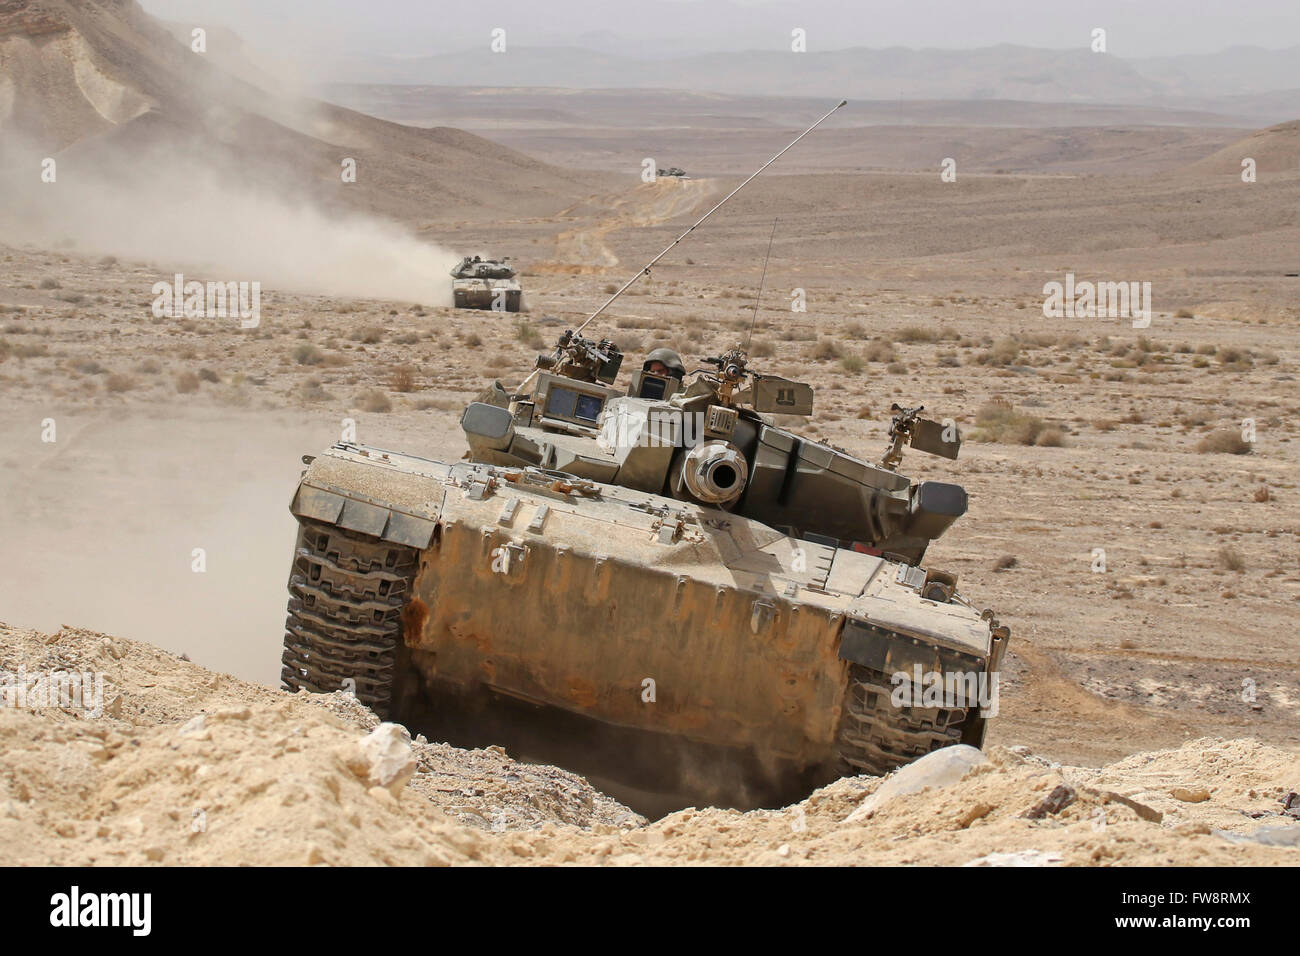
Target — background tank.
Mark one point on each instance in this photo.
(486, 284)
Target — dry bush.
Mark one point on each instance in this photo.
(311, 391)
(1005, 351)
(307, 354)
(1230, 559)
(374, 400)
(119, 383)
(760, 348)
(187, 382)
(1000, 422)
(402, 378)
(1261, 494)
(527, 333)
(369, 335)
(826, 350)
(1050, 437)
(472, 340)
(207, 375)
(1226, 441)
(334, 360)
(1005, 563)
(948, 359)
(1231, 355)
(852, 364)
(916, 333)
(881, 351)
(896, 368)
(1184, 314)
(407, 338)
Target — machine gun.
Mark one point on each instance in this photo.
(908, 428)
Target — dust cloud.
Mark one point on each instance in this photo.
(183, 217)
(101, 527)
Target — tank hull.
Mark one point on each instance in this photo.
(638, 612)
(499, 295)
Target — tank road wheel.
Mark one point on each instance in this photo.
(347, 594)
(876, 737)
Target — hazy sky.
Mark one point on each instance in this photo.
(1135, 28)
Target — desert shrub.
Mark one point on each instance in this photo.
(1230, 559)
(369, 335)
(916, 333)
(1231, 355)
(998, 421)
(312, 391)
(1050, 437)
(51, 284)
(119, 383)
(473, 340)
(1005, 351)
(402, 378)
(207, 375)
(187, 382)
(1225, 441)
(374, 400)
(852, 363)
(826, 350)
(880, 351)
(762, 348)
(307, 354)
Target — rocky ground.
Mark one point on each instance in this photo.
(187, 766)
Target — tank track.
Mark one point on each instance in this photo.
(876, 737)
(346, 595)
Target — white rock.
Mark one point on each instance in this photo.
(193, 727)
(386, 755)
(938, 769)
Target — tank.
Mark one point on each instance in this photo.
(661, 583)
(486, 284)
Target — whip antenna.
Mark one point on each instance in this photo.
(646, 268)
(761, 280)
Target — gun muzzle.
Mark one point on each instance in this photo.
(715, 473)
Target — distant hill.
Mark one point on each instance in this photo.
(96, 75)
(1274, 150)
